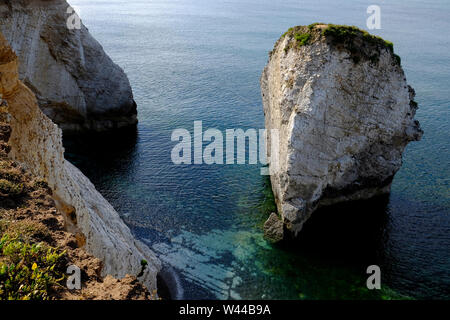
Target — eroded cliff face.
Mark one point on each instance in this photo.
(36, 143)
(77, 85)
(339, 98)
(28, 216)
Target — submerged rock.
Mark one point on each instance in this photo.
(274, 228)
(77, 85)
(339, 98)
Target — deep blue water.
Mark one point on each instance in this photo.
(191, 60)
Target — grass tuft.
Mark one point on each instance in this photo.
(302, 38)
(10, 188)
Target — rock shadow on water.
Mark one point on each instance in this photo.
(350, 232)
(330, 256)
(97, 154)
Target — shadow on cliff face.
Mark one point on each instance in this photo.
(97, 153)
(352, 232)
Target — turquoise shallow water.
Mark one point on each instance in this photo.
(191, 60)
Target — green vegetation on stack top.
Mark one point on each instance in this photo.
(29, 267)
(359, 43)
(342, 33)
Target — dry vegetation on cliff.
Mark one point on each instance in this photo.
(35, 245)
(35, 249)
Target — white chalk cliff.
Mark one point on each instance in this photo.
(77, 85)
(36, 143)
(345, 113)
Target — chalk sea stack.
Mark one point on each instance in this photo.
(77, 85)
(345, 113)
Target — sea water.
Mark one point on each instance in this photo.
(201, 60)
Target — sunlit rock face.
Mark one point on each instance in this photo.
(339, 98)
(36, 143)
(77, 85)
